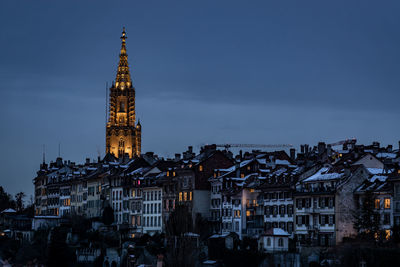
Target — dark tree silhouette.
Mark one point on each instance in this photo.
(366, 219)
(6, 200)
(108, 215)
(179, 221)
(19, 201)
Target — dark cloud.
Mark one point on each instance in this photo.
(209, 71)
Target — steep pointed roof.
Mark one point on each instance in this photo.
(123, 79)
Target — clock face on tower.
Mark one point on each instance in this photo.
(123, 135)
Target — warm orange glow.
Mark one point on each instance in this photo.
(201, 168)
(180, 196)
(185, 196)
(247, 213)
(377, 203)
(387, 203)
(242, 175)
(190, 195)
(387, 234)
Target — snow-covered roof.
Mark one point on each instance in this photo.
(386, 155)
(219, 235)
(324, 175)
(191, 234)
(8, 211)
(375, 170)
(282, 162)
(276, 232)
(381, 178)
(262, 161)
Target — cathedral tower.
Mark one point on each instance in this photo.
(123, 135)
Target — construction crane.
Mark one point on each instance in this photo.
(227, 146)
(347, 141)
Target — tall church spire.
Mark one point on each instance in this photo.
(123, 79)
(123, 135)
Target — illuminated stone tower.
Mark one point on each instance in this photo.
(123, 135)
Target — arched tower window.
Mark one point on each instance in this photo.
(121, 106)
(121, 147)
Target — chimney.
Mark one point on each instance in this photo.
(237, 167)
(344, 146)
(302, 148)
(329, 150)
(321, 148)
(177, 156)
(293, 154)
(190, 149)
(87, 161)
(389, 148)
(241, 155)
(306, 148)
(59, 162)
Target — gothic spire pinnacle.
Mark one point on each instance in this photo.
(123, 79)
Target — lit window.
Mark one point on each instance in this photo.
(185, 196)
(387, 234)
(247, 213)
(242, 175)
(252, 190)
(215, 175)
(248, 168)
(377, 203)
(173, 174)
(167, 173)
(387, 203)
(201, 168)
(180, 196)
(190, 195)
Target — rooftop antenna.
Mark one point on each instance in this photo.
(98, 152)
(59, 149)
(106, 103)
(44, 154)
(106, 117)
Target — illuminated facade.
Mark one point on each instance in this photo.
(123, 135)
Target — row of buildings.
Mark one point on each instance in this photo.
(311, 195)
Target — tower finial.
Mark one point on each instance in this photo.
(123, 36)
(123, 79)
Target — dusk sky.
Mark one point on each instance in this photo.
(205, 72)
